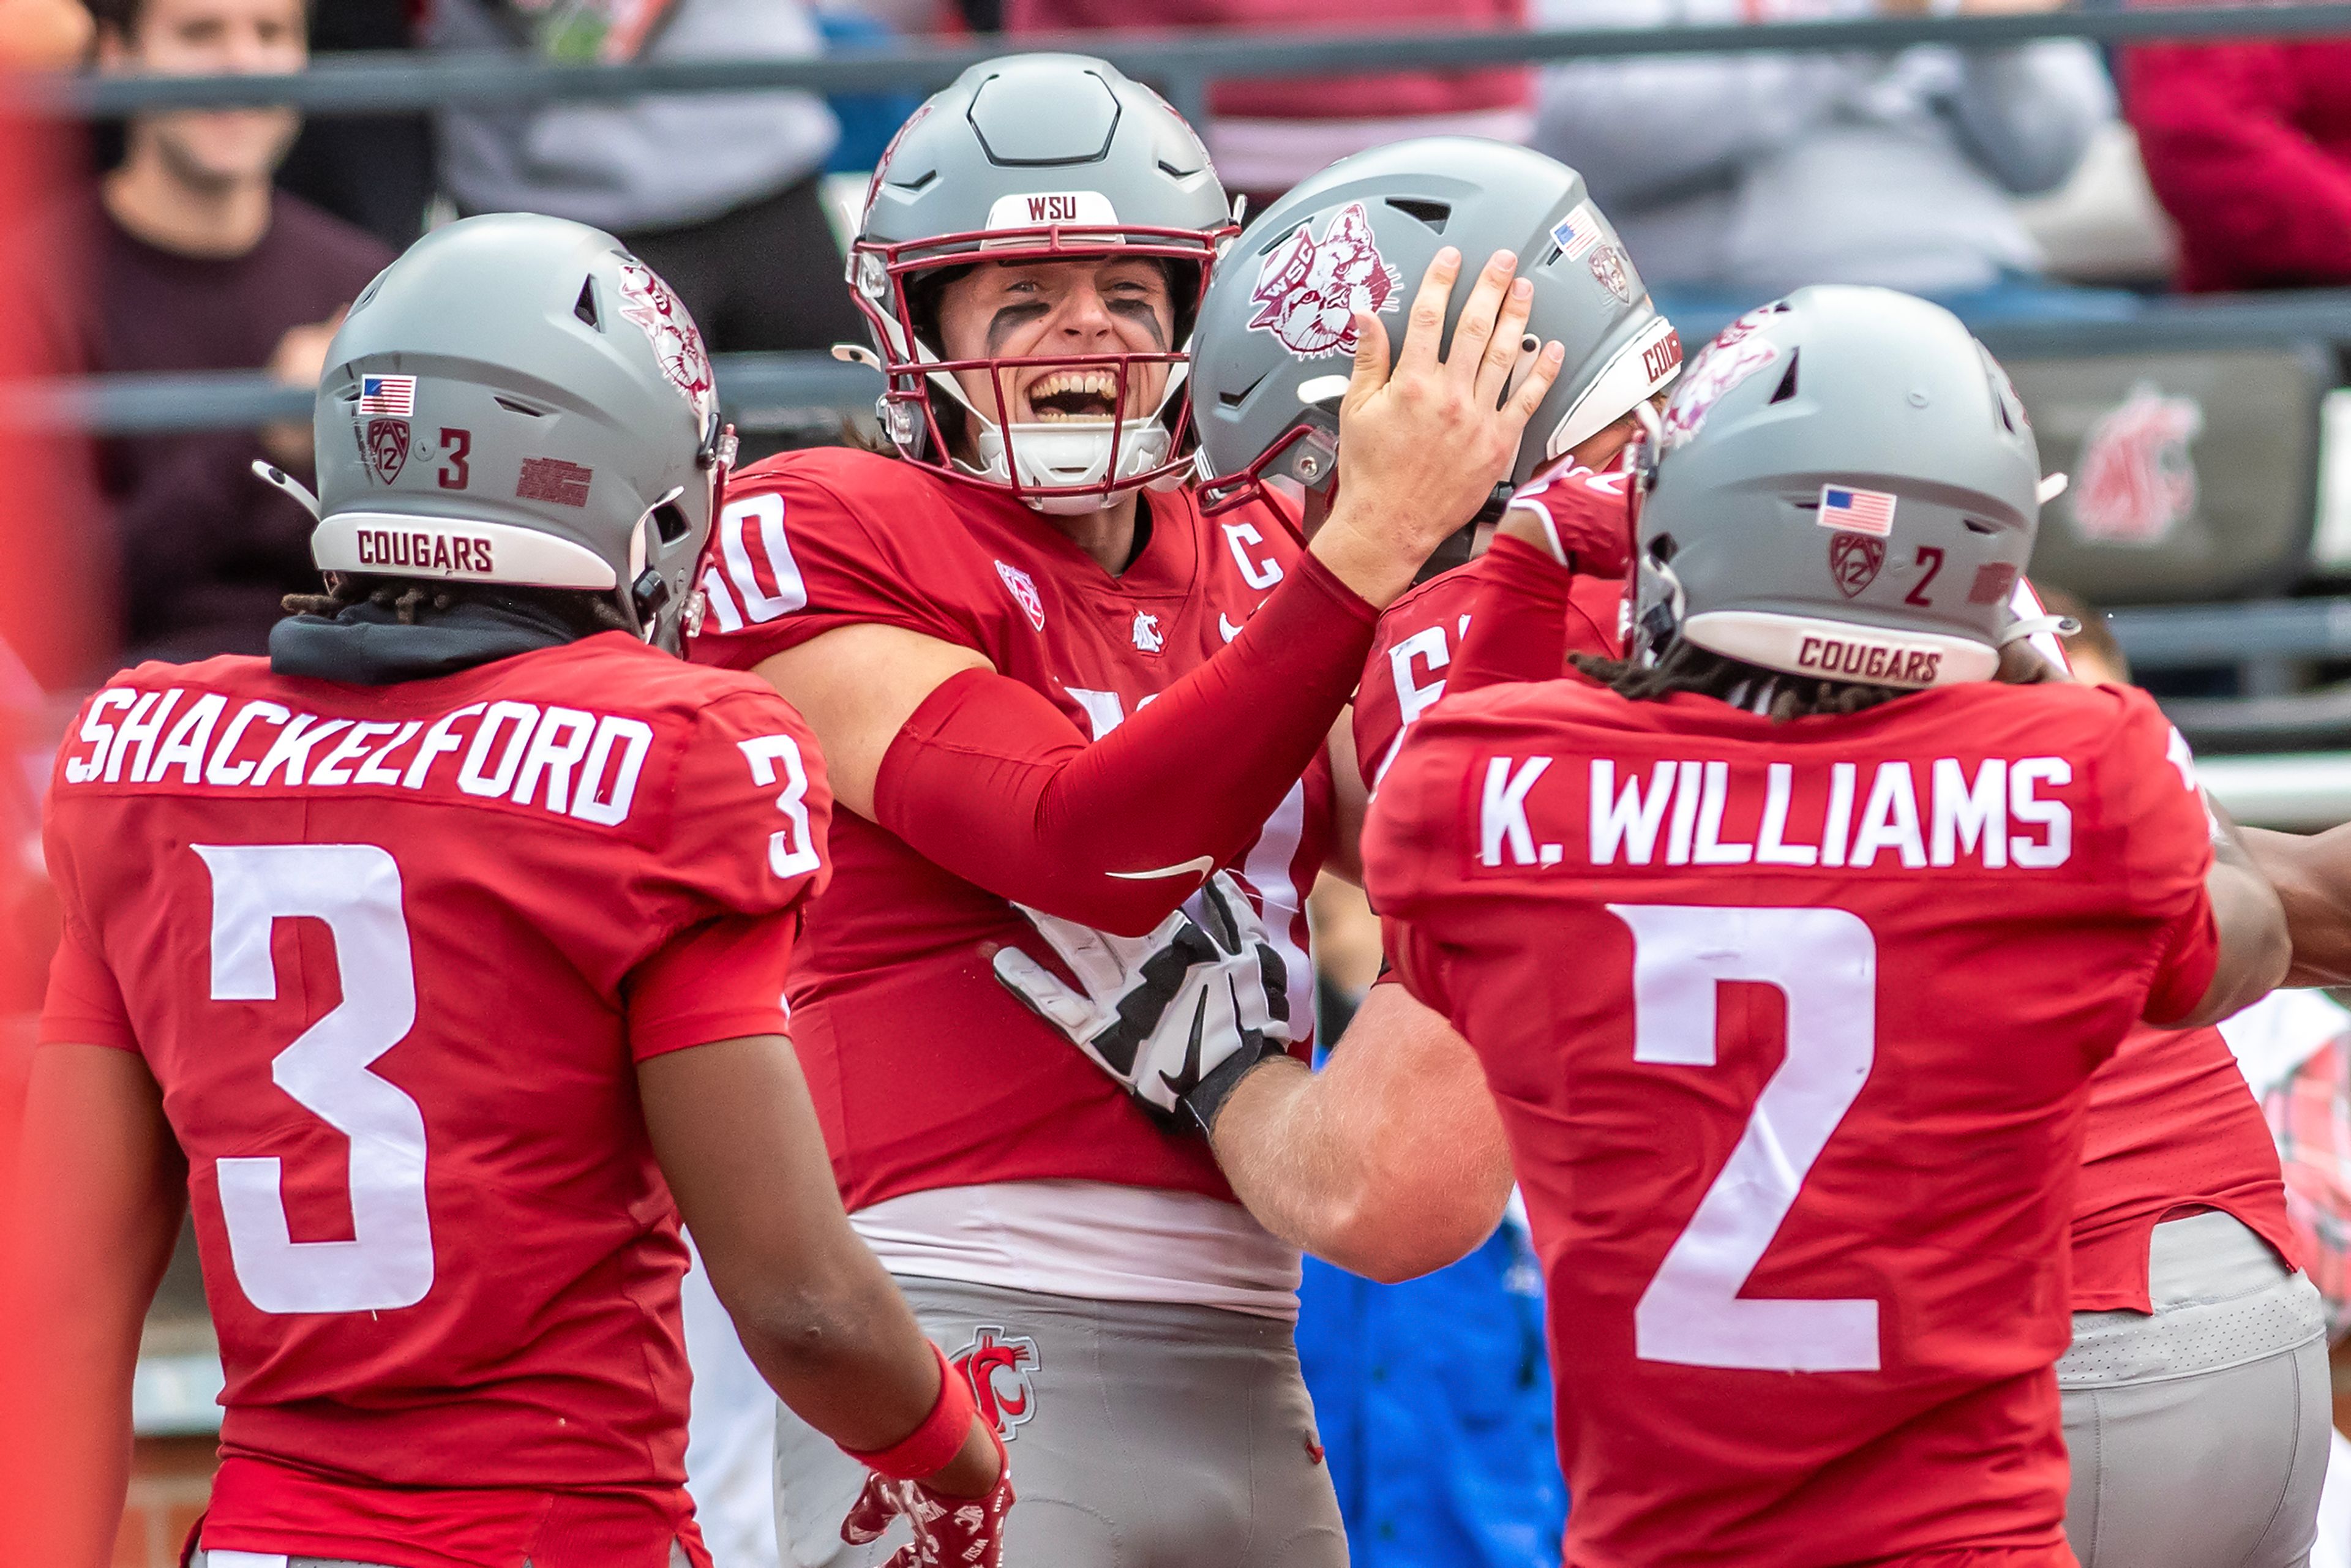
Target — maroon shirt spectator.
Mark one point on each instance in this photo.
(2248, 145)
(1266, 136)
(205, 549)
(188, 260)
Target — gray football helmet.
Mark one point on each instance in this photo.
(1277, 336)
(1844, 486)
(1034, 158)
(518, 400)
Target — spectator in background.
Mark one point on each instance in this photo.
(43, 34)
(193, 262)
(718, 193)
(1266, 136)
(1735, 178)
(2248, 145)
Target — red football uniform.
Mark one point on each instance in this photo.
(1418, 634)
(1792, 1028)
(927, 1071)
(2173, 1131)
(391, 953)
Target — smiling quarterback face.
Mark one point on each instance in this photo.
(1052, 312)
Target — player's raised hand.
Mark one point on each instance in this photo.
(1582, 519)
(1423, 441)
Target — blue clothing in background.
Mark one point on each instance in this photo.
(1434, 1401)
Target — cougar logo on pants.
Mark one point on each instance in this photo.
(998, 1367)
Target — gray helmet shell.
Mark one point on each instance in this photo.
(1276, 336)
(1034, 158)
(1844, 486)
(518, 400)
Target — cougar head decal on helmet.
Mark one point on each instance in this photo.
(1278, 325)
(1028, 160)
(1843, 487)
(518, 400)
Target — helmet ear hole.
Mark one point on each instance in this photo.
(670, 524)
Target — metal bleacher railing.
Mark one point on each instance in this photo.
(773, 389)
(1183, 66)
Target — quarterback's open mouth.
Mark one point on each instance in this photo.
(1061, 395)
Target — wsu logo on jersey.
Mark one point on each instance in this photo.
(1308, 289)
(383, 444)
(1147, 636)
(998, 1368)
(1023, 589)
(2139, 478)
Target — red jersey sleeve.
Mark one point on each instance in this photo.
(793, 558)
(84, 1005)
(745, 853)
(2149, 783)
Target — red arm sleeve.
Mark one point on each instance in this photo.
(723, 980)
(2259, 203)
(1518, 631)
(84, 1005)
(744, 854)
(988, 780)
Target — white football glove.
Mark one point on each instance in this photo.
(1175, 1016)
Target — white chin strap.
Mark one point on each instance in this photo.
(1069, 460)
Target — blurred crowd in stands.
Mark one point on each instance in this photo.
(2011, 182)
(2045, 180)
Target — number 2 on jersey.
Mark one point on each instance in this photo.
(355, 890)
(1824, 963)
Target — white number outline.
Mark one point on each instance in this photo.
(355, 889)
(791, 852)
(733, 550)
(1824, 963)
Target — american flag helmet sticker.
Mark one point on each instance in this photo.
(1857, 511)
(1578, 232)
(394, 396)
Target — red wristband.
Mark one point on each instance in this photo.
(929, 1447)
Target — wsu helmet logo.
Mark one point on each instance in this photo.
(1308, 289)
(998, 1368)
(2138, 479)
(646, 300)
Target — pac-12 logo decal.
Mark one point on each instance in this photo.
(1023, 589)
(998, 1367)
(1853, 562)
(1607, 264)
(1308, 289)
(384, 443)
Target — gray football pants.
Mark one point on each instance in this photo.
(2198, 1436)
(1143, 1435)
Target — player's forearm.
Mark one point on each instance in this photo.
(99, 1193)
(989, 781)
(1391, 1162)
(2312, 874)
(1518, 627)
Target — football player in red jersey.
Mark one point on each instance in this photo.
(1051, 689)
(438, 960)
(1929, 1423)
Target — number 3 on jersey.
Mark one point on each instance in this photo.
(355, 890)
(791, 850)
(1824, 963)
